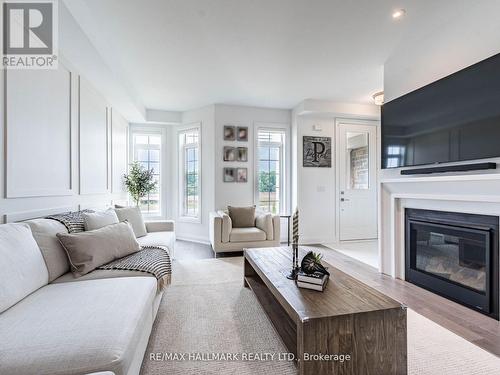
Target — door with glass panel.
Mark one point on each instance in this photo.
(357, 181)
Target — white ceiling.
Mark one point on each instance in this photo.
(184, 54)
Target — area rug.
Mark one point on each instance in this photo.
(209, 324)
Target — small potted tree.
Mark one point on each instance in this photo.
(139, 181)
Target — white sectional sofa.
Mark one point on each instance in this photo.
(53, 323)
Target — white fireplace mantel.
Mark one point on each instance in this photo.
(476, 194)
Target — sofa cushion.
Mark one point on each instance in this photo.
(242, 217)
(247, 234)
(96, 220)
(22, 268)
(134, 216)
(77, 328)
(45, 231)
(89, 250)
(101, 274)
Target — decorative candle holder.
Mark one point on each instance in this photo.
(295, 263)
(295, 247)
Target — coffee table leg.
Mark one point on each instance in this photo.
(248, 271)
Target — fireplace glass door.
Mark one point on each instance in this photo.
(450, 260)
(452, 254)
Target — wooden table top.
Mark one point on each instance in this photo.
(342, 295)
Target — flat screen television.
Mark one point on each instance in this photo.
(454, 119)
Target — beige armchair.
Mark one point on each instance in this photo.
(225, 238)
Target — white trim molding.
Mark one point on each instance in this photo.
(475, 194)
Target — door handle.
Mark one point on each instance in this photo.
(344, 199)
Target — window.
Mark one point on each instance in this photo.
(189, 160)
(395, 156)
(147, 151)
(270, 170)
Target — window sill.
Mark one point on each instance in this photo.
(189, 219)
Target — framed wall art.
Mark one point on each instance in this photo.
(317, 152)
(242, 133)
(242, 154)
(241, 175)
(230, 153)
(229, 174)
(229, 133)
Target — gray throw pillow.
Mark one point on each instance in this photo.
(96, 220)
(134, 216)
(88, 250)
(242, 217)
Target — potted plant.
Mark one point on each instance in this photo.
(139, 181)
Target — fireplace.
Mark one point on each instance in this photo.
(454, 255)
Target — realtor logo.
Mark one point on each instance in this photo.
(29, 34)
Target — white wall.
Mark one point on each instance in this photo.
(186, 229)
(75, 46)
(60, 145)
(242, 194)
(454, 42)
(315, 188)
(450, 44)
(468, 33)
(215, 193)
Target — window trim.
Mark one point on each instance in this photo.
(135, 129)
(284, 164)
(180, 174)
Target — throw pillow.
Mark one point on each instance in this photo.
(134, 216)
(88, 250)
(22, 268)
(242, 217)
(96, 220)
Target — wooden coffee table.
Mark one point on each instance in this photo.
(348, 318)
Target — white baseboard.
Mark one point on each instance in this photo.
(315, 240)
(200, 240)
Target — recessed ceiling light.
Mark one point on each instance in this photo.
(397, 14)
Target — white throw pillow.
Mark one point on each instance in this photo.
(96, 220)
(134, 216)
(22, 268)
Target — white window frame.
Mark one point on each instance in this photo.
(181, 177)
(284, 164)
(136, 129)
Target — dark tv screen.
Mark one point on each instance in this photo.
(454, 119)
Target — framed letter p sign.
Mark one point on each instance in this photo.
(317, 152)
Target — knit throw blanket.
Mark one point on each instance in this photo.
(154, 260)
(151, 259)
(73, 221)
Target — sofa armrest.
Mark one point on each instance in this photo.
(264, 221)
(220, 227)
(277, 228)
(160, 226)
(227, 225)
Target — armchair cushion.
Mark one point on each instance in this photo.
(247, 235)
(242, 217)
(264, 221)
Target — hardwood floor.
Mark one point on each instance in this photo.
(471, 325)
(186, 250)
